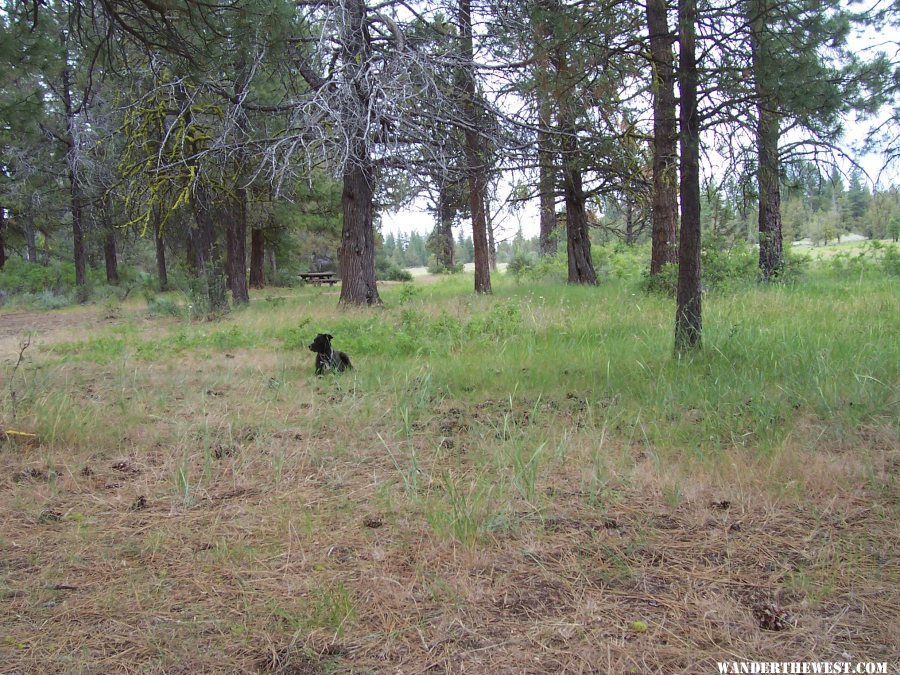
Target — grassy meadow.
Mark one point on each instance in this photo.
(525, 482)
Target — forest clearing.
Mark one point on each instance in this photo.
(522, 482)
(341, 336)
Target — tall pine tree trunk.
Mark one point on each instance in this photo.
(30, 236)
(161, 271)
(630, 234)
(578, 242)
(109, 256)
(771, 247)
(272, 262)
(357, 250)
(492, 246)
(547, 187)
(236, 232)
(688, 324)
(2, 232)
(257, 258)
(208, 259)
(443, 244)
(109, 243)
(665, 137)
(236, 247)
(191, 255)
(474, 153)
(771, 253)
(76, 195)
(547, 178)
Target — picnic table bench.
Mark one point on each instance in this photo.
(319, 278)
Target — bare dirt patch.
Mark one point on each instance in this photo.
(47, 326)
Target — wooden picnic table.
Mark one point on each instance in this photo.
(319, 278)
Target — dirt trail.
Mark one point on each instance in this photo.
(45, 325)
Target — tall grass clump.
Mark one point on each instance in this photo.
(465, 510)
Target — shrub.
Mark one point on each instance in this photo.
(385, 270)
(434, 267)
(394, 273)
(873, 257)
(51, 299)
(795, 265)
(162, 305)
(625, 261)
(554, 266)
(20, 276)
(520, 264)
(409, 293)
(726, 267)
(284, 279)
(665, 282)
(890, 261)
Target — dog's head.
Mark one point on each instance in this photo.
(322, 344)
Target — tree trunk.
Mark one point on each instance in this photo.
(474, 153)
(76, 196)
(357, 251)
(160, 252)
(665, 156)
(492, 247)
(771, 247)
(79, 253)
(2, 242)
(109, 243)
(273, 263)
(109, 255)
(546, 173)
(688, 325)
(30, 238)
(578, 243)
(208, 253)
(547, 187)
(443, 242)
(257, 258)
(447, 234)
(191, 254)
(236, 247)
(771, 253)
(547, 170)
(236, 223)
(630, 234)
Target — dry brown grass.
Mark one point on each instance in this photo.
(206, 518)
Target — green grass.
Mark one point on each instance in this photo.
(770, 355)
(534, 459)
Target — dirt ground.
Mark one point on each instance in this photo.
(14, 326)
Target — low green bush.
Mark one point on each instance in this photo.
(520, 264)
(163, 305)
(434, 267)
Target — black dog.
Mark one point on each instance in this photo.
(327, 359)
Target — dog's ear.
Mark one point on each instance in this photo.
(330, 337)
